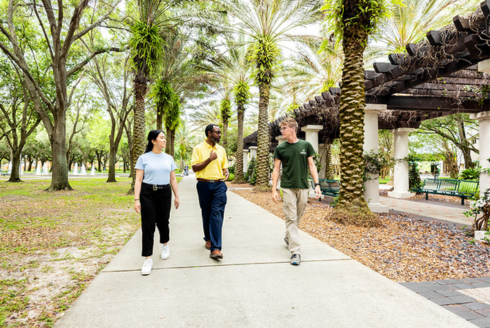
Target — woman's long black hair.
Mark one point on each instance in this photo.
(153, 135)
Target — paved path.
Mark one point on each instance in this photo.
(441, 212)
(254, 285)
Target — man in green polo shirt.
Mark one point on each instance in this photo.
(296, 157)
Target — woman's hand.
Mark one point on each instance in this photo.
(177, 202)
(137, 206)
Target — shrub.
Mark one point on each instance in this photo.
(413, 173)
(251, 174)
(231, 169)
(470, 174)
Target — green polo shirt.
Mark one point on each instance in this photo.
(294, 158)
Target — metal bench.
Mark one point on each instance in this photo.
(328, 187)
(4, 173)
(449, 187)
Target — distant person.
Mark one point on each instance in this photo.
(155, 173)
(296, 157)
(186, 169)
(210, 163)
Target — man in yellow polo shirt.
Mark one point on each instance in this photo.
(210, 163)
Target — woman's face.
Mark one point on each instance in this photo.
(160, 141)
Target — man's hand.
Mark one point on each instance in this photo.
(275, 196)
(213, 155)
(227, 174)
(318, 192)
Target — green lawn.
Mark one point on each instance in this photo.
(53, 244)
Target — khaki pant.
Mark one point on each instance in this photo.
(294, 206)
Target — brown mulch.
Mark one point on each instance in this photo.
(403, 249)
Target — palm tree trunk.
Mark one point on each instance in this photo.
(168, 135)
(225, 134)
(139, 121)
(239, 178)
(351, 206)
(263, 136)
(328, 162)
(172, 143)
(159, 119)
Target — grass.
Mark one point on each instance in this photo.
(66, 237)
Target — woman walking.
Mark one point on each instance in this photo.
(155, 173)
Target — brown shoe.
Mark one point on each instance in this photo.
(216, 254)
(208, 245)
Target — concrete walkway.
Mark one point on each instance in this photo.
(446, 212)
(253, 286)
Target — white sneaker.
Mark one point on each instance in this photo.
(146, 269)
(165, 252)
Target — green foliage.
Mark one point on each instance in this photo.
(264, 53)
(231, 169)
(470, 174)
(147, 46)
(413, 173)
(225, 109)
(361, 14)
(168, 103)
(373, 163)
(317, 161)
(251, 174)
(242, 93)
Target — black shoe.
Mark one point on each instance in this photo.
(295, 259)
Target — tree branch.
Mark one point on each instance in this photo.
(87, 60)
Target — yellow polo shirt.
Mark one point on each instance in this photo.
(214, 170)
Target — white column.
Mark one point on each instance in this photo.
(484, 67)
(21, 168)
(75, 169)
(10, 167)
(401, 183)
(371, 186)
(484, 118)
(38, 169)
(311, 134)
(83, 170)
(245, 160)
(253, 152)
(280, 140)
(45, 168)
(323, 161)
(92, 172)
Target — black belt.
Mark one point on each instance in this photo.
(209, 181)
(156, 187)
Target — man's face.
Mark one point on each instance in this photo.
(215, 135)
(287, 131)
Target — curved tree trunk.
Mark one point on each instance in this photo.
(263, 136)
(139, 121)
(239, 177)
(112, 163)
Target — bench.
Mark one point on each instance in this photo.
(449, 187)
(4, 173)
(328, 187)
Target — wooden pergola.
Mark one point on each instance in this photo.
(436, 77)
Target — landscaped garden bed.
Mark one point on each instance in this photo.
(403, 249)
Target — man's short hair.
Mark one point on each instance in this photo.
(291, 122)
(209, 128)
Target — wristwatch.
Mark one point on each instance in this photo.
(317, 184)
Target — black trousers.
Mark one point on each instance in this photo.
(155, 211)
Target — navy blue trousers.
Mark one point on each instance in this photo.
(212, 199)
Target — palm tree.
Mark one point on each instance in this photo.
(410, 20)
(315, 70)
(147, 49)
(353, 21)
(267, 23)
